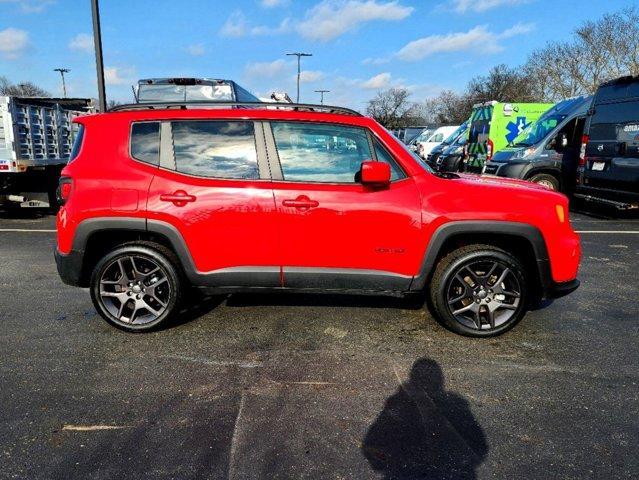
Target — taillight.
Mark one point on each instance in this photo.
(582, 152)
(489, 149)
(64, 189)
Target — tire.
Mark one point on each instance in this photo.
(137, 287)
(547, 180)
(474, 305)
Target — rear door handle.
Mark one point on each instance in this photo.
(302, 202)
(179, 198)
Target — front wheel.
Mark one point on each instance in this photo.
(548, 181)
(479, 291)
(136, 287)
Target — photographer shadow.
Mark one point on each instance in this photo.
(424, 431)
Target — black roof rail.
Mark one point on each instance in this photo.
(257, 105)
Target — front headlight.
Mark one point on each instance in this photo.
(522, 153)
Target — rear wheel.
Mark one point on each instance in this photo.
(137, 287)
(547, 180)
(479, 291)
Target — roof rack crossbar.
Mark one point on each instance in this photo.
(200, 105)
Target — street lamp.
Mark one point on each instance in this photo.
(62, 72)
(299, 55)
(99, 64)
(322, 92)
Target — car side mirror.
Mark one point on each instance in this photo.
(376, 174)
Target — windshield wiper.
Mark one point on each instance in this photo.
(521, 144)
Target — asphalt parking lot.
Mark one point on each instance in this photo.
(254, 386)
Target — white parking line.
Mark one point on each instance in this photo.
(608, 231)
(25, 230)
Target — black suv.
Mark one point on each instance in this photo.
(608, 170)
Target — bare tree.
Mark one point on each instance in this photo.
(502, 84)
(24, 89)
(448, 108)
(600, 50)
(393, 108)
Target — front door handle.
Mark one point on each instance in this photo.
(302, 203)
(179, 198)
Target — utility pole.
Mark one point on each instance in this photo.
(322, 92)
(99, 64)
(62, 72)
(299, 55)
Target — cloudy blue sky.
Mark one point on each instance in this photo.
(358, 46)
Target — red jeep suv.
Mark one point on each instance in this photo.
(161, 198)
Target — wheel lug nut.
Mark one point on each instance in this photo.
(478, 300)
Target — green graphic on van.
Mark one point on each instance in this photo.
(494, 125)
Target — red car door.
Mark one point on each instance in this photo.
(216, 195)
(334, 231)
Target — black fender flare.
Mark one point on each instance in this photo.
(446, 231)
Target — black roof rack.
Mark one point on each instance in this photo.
(257, 105)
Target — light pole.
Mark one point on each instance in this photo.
(322, 92)
(99, 65)
(62, 72)
(299, 55)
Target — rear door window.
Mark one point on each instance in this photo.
(217, 149)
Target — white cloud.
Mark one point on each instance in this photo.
(196, 50)
(273, 3)
(82, 42)
(517, 29)
(479, 38)
(382, 80)
(308, 76)
(266, 69)
(375, 61)
(462, 6)
(30, 6)
(13, 42)
(235, 25)
(283, 27)
(331, 18)
(118, 75)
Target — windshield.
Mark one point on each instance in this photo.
(539, 130)
(462, 139)
(453, 136)
(422, 137)
(419, 159)
(181, 93)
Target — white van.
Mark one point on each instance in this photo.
(428, 140)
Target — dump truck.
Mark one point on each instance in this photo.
(36, 137)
